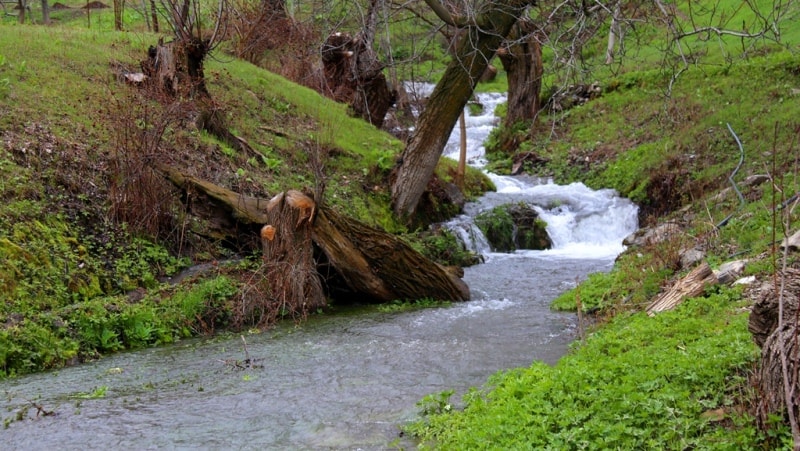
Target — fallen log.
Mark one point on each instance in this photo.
(369, 264)
(692, 285)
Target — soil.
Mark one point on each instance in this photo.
(95, 5)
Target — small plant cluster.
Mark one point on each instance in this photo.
(38, 340)
(667, 382)
(405, 306)
(444, 247)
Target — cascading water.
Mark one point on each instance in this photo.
(581, 222)
(344, 381)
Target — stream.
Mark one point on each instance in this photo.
(348, 380)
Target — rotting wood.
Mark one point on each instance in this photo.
(374, 265)
(693, 284)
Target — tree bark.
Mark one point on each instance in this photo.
(154, 15)
(370, 264)
(779, 344)
(119, 8)
(613, 34)
(522, 61)
(177, 68)
(45, 12)
(461, 170)
(22, 5)
(475, 49)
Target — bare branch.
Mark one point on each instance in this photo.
(445, 16)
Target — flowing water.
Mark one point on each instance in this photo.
(343, 381)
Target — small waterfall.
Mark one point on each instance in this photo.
(581, 222)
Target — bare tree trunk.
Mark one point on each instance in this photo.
(775, 325)
(354, 74)
(177, 67)
(45, 12)
(613, 33)
(448, 99)
(462, 154)
(119, 8)
(522, 61)
(22, 5)
(154, 15)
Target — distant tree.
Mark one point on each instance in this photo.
(119, 9)
(45, 12)
(22, 5)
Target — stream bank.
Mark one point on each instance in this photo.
(335, 381)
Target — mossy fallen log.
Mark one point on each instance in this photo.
(369, 264)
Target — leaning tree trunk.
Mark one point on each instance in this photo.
(522, 61)
(475, 49)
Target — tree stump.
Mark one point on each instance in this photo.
(290, 268)
(777, 340)
(176, 68)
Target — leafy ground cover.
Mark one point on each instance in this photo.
(670, 382)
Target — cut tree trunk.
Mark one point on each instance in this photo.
(371, 265)
(690, 286)
(353, 75)
(177, 67)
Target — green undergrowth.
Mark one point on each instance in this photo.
(672, 381)
(398, 306)
(629, 285)
(46, 337)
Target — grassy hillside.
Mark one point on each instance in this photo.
(89, 233)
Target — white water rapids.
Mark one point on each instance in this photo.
(581, 222)
(342, 381)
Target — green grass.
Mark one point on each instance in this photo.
(636, 383)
